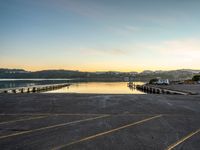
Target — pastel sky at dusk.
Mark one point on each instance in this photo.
(100, 35)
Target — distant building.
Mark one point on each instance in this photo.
(133, 73)
(16, 71)
(126, 79)
(145, 72)
(158, 71)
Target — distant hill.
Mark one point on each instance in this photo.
(110, 75)
(13, 71)
(172, 74)
(20, 73)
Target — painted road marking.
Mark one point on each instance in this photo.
(88, 114)
(50, 127)
(106, 132)
(182, 140)
(52, 114)
(25, 119)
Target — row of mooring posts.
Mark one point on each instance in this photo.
(157, 90)
(34, 89)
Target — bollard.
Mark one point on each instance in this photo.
(158, 91)
(154, 90)
(163, 91)
(34, 89)
(14, 91)
(168, 92)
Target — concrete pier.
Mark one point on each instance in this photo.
(34, 89)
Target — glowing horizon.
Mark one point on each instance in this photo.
(97, 70)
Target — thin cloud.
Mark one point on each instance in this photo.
(189, 45)
(113, 52)
(182, 51)
(179, 45)
(132, 28)
(124, 30)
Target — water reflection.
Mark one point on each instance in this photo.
(100, 87)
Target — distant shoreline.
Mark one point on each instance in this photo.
(34, 79)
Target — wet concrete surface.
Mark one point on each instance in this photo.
(99, 122)
(190, 88)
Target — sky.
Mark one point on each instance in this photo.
(100, 35)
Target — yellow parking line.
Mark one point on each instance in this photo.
(182, 140)
(85, 114)
(25, 119)
(106, 132)
(50, 127)
(53, 114)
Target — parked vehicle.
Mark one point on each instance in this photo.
(159, 81)
(163, 82)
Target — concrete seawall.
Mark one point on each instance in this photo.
(161, 90)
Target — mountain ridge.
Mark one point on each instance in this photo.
(113, 75)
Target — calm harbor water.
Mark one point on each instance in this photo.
(99, 87)
(75, 87)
